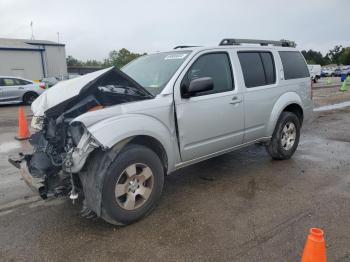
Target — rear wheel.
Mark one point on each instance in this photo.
(132, 186)
(29, 98)
(285, 138)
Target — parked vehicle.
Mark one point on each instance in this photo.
(327, 72)
(337, 72)
(315, 72)
(111, 136)
(18, 90)
(345, 71)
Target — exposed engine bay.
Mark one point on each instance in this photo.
(60, 147)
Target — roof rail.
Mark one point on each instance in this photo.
(184, 46)
(233, 41)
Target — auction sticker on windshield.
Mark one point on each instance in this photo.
(175, 56)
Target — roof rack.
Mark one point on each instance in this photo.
(233, 41)
(184, 46)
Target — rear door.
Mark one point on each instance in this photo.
(260, 79)
(211, 121)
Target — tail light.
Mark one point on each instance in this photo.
(42, 85)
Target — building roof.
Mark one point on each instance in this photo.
(26, 44)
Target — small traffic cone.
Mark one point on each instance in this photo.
(344, 86)
(348, 79)
(23, 131)
(315, 247)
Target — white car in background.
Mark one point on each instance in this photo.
(315, 72)
(15, 90)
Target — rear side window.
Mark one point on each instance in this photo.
(258, 68)
(23, 82)
(14, 82)
(9, 82)
(294, 65)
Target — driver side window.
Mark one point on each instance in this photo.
(214, 65)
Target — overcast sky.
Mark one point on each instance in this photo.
(90, 29)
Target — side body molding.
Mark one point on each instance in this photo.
(111, 131)
(282, 102)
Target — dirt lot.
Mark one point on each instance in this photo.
(240, 206)
(329, 95)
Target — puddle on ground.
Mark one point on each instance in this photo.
(8, 146)
(332, 107)
(309, 158)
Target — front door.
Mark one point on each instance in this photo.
(211, 121)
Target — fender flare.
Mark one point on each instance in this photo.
(282, 102)
(108, 132)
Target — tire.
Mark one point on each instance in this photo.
(29, 98)
(280, 147)
(126, 179)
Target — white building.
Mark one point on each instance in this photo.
(32, 59)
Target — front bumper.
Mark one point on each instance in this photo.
(35, 183)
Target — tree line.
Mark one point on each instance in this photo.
(117, 58)
(338, 55)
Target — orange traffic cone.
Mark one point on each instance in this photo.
(23, 131)
(315, 247)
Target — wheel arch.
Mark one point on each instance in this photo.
(95, 168)
(153, 144)
(140, 129)
(297, 110)
(290, 102)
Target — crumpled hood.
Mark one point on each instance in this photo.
(64, 90)
(74, 90)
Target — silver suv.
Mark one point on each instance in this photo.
(111, 136)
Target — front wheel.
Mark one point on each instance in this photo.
(132, 186)
(285, 138)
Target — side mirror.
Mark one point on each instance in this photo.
(198, 85)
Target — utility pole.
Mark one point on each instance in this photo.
(31, 27)
(59, 51)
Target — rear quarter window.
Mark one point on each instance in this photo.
(294, 65)
(258, 68)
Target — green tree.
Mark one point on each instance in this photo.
(71, 61)
(335, 54)
(120, 58)
(92, 63)
(314, 57)
(345, 56)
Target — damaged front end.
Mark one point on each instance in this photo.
(55, 159)
(61, 145)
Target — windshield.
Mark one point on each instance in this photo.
(153, 72)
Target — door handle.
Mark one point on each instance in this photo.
(235, 100)
(21, 87)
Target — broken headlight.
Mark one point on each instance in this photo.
(37, 122)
